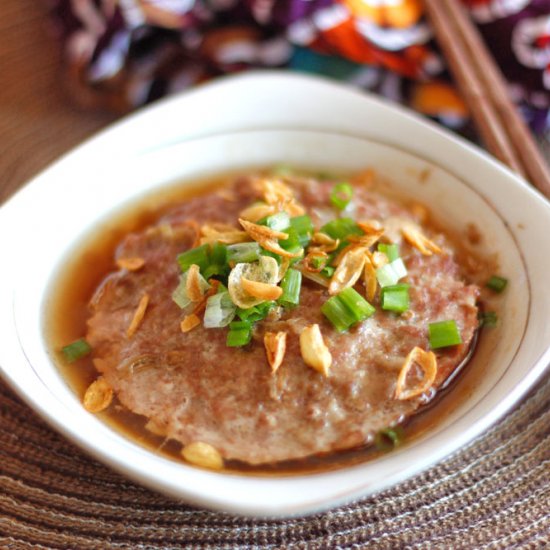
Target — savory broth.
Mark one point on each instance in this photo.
(67, 313)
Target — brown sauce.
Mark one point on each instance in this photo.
(67, 313)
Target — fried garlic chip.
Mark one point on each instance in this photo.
(130, 264)
(412, 234)
(194, 286)
(268, 238)
(349, 269)
(257, 212)
(266, 271)
(265, 291)
(314, 351)
(190, 322)
(138, 316)
(369, 278)
(203, 455)
(222, 233)
(275, 348)
(278, 194)
(324, 242)
(427, 361)
(98, 396)
(370, 226)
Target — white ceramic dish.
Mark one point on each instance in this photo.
(263, 119)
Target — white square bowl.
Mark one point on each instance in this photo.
(260, 120)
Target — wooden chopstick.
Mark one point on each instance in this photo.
(484, 89)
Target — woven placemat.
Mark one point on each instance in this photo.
(495, 493)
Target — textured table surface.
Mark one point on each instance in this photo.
(495, 493)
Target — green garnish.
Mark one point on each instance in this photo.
(395, 298)
(240, 334)
(444, 334)
(198, 256)
(291, 285)
(303, 227)
(243, 252)
(255, 313)
(346, 308)
(497, 283)
(278, 222)
(78, 349)
(390, 250)
(292, 244)
(488, 319)
(328, 271)
(341, 228)
(389, 438)
(341, 195)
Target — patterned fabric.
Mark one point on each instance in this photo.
(123, 53)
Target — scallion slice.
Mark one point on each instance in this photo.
(358, 306)
(278, 222)
(497, 283)
(389, 274)
(338, 314)
(395, 298)
(243, 252)
(327, 271)
(291, 285)
(341, 195)
(198, 256)
(341, 228)
(443, 334)
(240, 334)
(389, 438)
(346, 308)
(220, 310)
(303, 227)
(256, 313)
(488, 319)
(76, 350)
(292, 244)
(390, 250)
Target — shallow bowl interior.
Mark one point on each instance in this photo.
(460, 188)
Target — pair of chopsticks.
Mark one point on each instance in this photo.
(502, 129)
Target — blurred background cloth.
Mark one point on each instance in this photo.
(120, 54)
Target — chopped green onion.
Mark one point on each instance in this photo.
(341, 195)
(496, 283)
(198, 256)
(488, 319)
(243, 252)
(390, 250)
(386, 276)
(399, 267)
(292, 244)
(240, 334)
(278, 222)
(395, 298)
(338, 314)
(303, 227)
(76, 350)
(444, 334)
(291, 284)
(180, 293)
(238, 337)
(389, 274)
(341, 228)
(389, 438)
(346, 308)
(218, 254)
(328, 271)
(220, 310)
(215, 270)
(255, 313)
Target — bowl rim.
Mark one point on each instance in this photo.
(284, 79)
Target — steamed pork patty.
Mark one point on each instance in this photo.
(192, 387)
